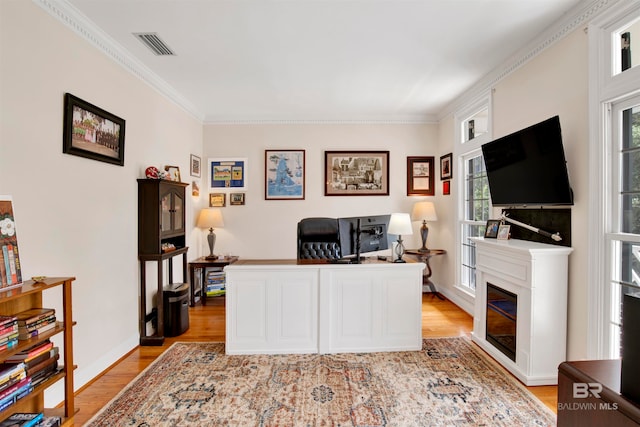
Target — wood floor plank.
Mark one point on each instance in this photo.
(440, 318)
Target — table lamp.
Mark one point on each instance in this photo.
(424, 211)
(400, 223)
(210, 218)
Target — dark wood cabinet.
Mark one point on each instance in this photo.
(589, 395)
(161, 215)
(161, 236)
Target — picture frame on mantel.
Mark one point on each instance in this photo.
(356, 173)
(91, 132)
(420, 176)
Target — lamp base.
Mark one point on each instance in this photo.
(400, 260)
(211, 257)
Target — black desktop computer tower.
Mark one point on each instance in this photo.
(176, 309)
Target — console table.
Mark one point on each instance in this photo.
(598, 401)
(425, 256)
(202, 264)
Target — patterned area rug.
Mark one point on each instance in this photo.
(449, 383)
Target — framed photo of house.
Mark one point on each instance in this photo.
(491, 230)
(236, 199)
(228, 173)
(195, 166)
(92, 132)
(284, 172)
(356, 173)
(217, 200)
(446, 167)
(420, 176)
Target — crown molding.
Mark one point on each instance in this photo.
(580, 15)
(66, 13)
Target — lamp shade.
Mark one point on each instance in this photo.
(400, 223)
(210, 218)
(424, 211)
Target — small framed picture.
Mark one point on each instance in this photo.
(195, 166)
(504, 232)
(445, 167)
(420, 176)
(173, 173)
(195, 189)
(446, 187)
(217, 200)
(236, 199)
(491, 231)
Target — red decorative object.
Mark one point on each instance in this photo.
(152, 172)
(446, 187)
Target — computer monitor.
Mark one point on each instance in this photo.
(363, 234)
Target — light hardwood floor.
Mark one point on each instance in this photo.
(206, 323)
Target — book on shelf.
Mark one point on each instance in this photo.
(16, 395)
(50, 422)
(11, 373)
(30, 353)
(33, 316)
(24, 419)
(26, 334)
(31, 364)
(49, 364)
(10, 268)
(14, 388)
(6, 321)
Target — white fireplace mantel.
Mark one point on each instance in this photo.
(537, 273)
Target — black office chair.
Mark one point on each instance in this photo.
(318, 238)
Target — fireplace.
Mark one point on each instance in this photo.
(502, 313)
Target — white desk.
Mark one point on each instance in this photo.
(283, 306)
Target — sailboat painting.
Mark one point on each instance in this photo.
(284, 174)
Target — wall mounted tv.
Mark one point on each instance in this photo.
(363, 234)
(528, 167)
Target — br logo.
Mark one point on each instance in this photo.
(584, 390)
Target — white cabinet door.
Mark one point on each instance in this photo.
(272, 313)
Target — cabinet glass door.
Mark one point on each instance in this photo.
(179, 207)
(165, 212)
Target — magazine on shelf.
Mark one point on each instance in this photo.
(10, 268)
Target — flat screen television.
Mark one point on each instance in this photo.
(528, 167)
(363, 234)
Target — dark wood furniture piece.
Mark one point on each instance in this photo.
(589, 395)
(161, 236)
(201, 264)
(28, 296)
(425, 256)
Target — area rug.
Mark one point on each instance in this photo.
(449, 383)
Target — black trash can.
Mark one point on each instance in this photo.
(176, 309)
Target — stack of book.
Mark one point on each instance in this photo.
(8, 332)
(215, 283)
(23, 371)
(23, 419)
(34, 322)
(10, 269)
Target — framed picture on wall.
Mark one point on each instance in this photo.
(284, 172)
(420, 176)
(92, 132)
(195, 166)
(228, 173)
(217, 200)
(236, 199)
(446, 167)
(356, 173)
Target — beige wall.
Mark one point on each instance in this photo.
(267, 228)
(75, 216)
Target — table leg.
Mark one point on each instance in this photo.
(192, 285)
(203, 291)
(427, 278)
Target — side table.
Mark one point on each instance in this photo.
(202, 264)
(425, 256)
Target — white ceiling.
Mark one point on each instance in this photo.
(322, 60)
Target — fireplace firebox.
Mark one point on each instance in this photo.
(502, 313)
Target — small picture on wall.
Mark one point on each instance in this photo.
(217, 200)
(236, 199)
(445, 167)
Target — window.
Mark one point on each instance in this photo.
(472, 131)
(614, 267)
(624, 236)
(476, 213)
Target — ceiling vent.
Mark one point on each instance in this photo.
(155, 43)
